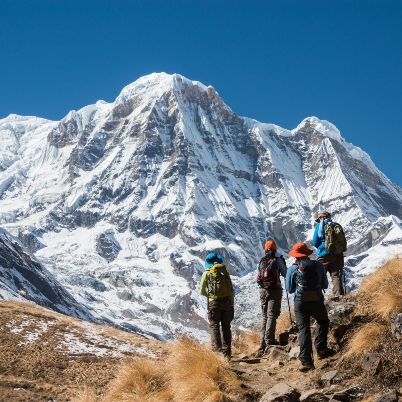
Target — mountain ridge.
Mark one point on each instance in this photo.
(127, 197)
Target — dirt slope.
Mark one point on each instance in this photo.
(49, 356)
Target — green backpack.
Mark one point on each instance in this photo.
(335, 240)
(219, 283)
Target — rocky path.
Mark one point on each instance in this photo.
(275, 377)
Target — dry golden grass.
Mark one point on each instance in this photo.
(283, 322)
(371, 398)
(246, 342)
(191, 373)
(53, 371)
(378, 298)
(140, 380)
(367, 338)
(85, 395)
(198, 375)
(384, 289)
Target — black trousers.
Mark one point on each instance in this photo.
(303, 312)
(220, 315)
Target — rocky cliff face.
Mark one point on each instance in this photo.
(22, 277)
(128, 197)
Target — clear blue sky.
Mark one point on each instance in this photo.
(276, 61)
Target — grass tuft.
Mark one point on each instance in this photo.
(85, 395)
(197, 374)
(368, 338)
(190, 373)
(246, 342)
(138, 380)
(383, 288)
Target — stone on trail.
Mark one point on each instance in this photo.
(276, 353)
(313, 395)
(371, 363)
(281, 392)
(338, 313)
(294, 352)
(278, 364)
(329, 376)
(391, 396)
(347, 395)
(323, 365)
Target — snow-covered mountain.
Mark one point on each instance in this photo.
(22, 277)
(121, 201)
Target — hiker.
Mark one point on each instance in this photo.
(217, 286)
(330, 241)
(270, 268)
(307, 278)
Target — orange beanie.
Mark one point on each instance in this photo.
(270, 245)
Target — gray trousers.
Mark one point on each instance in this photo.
(333, 264)
(270, 308)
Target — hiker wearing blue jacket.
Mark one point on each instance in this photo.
(307, 279)
(330, 243)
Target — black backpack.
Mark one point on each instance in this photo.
(308, 281)
(268, 273)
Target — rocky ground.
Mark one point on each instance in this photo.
(367, 365)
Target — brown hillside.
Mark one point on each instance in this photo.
(49, 356)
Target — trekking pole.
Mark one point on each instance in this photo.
(344, 280)
(290, 314)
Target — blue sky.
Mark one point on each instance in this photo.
(276, 61)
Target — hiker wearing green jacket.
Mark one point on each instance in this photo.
(217, 287)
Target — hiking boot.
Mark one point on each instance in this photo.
(306, 366)
(273, 342)
(323, 354)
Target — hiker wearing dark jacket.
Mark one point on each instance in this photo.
(307, 279)
(333, 261)
(217, 286)
(269, 270)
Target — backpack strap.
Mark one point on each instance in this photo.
(278, 272)
(299, 264)
(207, 277)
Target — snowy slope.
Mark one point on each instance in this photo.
(121, 201)
(23, 278)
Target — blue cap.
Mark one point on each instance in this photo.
(213, 258)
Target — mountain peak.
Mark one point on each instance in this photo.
(324, 127)
(156, 84)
